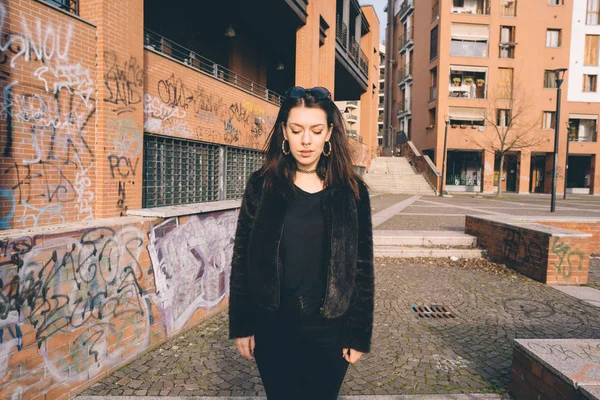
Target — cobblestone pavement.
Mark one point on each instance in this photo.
(448, 213)
(468, 354)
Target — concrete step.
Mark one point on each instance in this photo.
(418, 252)
(423, 238)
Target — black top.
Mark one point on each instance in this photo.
(302, 245)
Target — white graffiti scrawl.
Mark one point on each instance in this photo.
(191, 263)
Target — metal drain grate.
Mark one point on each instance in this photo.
(433, 311)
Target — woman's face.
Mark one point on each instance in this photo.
(307, 131)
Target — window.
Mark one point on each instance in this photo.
(468, 82)
(590, 55)
(508, 8)
(505, 82)
(553, 38)
(556, 2)
(433, 44)
(507, 42)
(549, 120)
(502, 117)
(550, 79)
(70, 6)
(433, 84)
(458, 3)
(589, 83)
(178, 171)
(583, 127)
(593, 12)
(466, 116)
(432, 117)
(470, 6)
(469, 40)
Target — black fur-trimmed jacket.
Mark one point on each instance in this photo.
(256, 266)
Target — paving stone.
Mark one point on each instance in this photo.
(471, 353)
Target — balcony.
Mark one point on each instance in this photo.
(351, 47)
(406, 41)
(404, 108)
(380, 117)
(468, 83)
(157, 43)
(405, 8)
(351, 133)
(351, 118)
(352, 104)
(435, 11)
(507, 50)
(476, 7)
(583, 128)
(405, 74)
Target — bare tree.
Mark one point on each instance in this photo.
(514, 125)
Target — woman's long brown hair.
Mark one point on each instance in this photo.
(279, 169)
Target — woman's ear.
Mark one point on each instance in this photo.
(330, 132)
(284, 131)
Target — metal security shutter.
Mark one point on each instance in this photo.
(178, 171)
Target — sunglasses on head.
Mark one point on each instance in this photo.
(318, 91)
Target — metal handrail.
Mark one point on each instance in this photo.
(196, 61)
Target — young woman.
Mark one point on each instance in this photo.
(301, 289)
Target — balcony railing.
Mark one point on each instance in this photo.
(406, 7)
(351, 46)
(351, 118)
(477, 7)
(432, 93)
(406, 40)
(405, 73)
(507, 50)
(202, 64)
(354, 135)
(435, 11)
(467, 91)
(352, 103)
(404, 107)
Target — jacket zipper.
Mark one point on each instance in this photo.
(278, 269)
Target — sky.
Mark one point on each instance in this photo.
(379, 6)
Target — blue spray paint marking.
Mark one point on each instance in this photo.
(4, 220)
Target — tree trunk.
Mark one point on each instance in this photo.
(499, 192)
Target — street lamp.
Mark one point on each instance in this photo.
(567, 162)
(560, 72)
(446, 121)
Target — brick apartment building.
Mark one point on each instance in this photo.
(480, 64)
(128, 131)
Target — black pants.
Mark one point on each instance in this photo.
(297, 352)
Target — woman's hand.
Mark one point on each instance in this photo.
(245, 346)
(351, 355)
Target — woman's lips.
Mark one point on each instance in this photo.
(306, 153)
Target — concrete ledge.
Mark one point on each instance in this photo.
(188, 209)
(483, 396)
(547, 251)
(556, 368)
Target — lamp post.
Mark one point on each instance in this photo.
(567, 163)
(560, 72)
(446, 121)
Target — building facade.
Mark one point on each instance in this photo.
(128, 132)
(477, 72)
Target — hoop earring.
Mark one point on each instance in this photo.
(283, 147)
(329, 152)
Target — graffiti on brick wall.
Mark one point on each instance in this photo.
(125, 143)
(51, 174)
(182, 111)
(124, 81)
(191, 261)
(569, 259)
(520, 250)
(79, 301)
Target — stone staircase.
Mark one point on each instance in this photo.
(395, 175)
(436, 244)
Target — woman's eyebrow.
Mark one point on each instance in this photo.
(302, 126)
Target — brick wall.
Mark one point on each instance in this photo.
(591, 227)
(553, 258)
(530, 380)
(86, 298)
